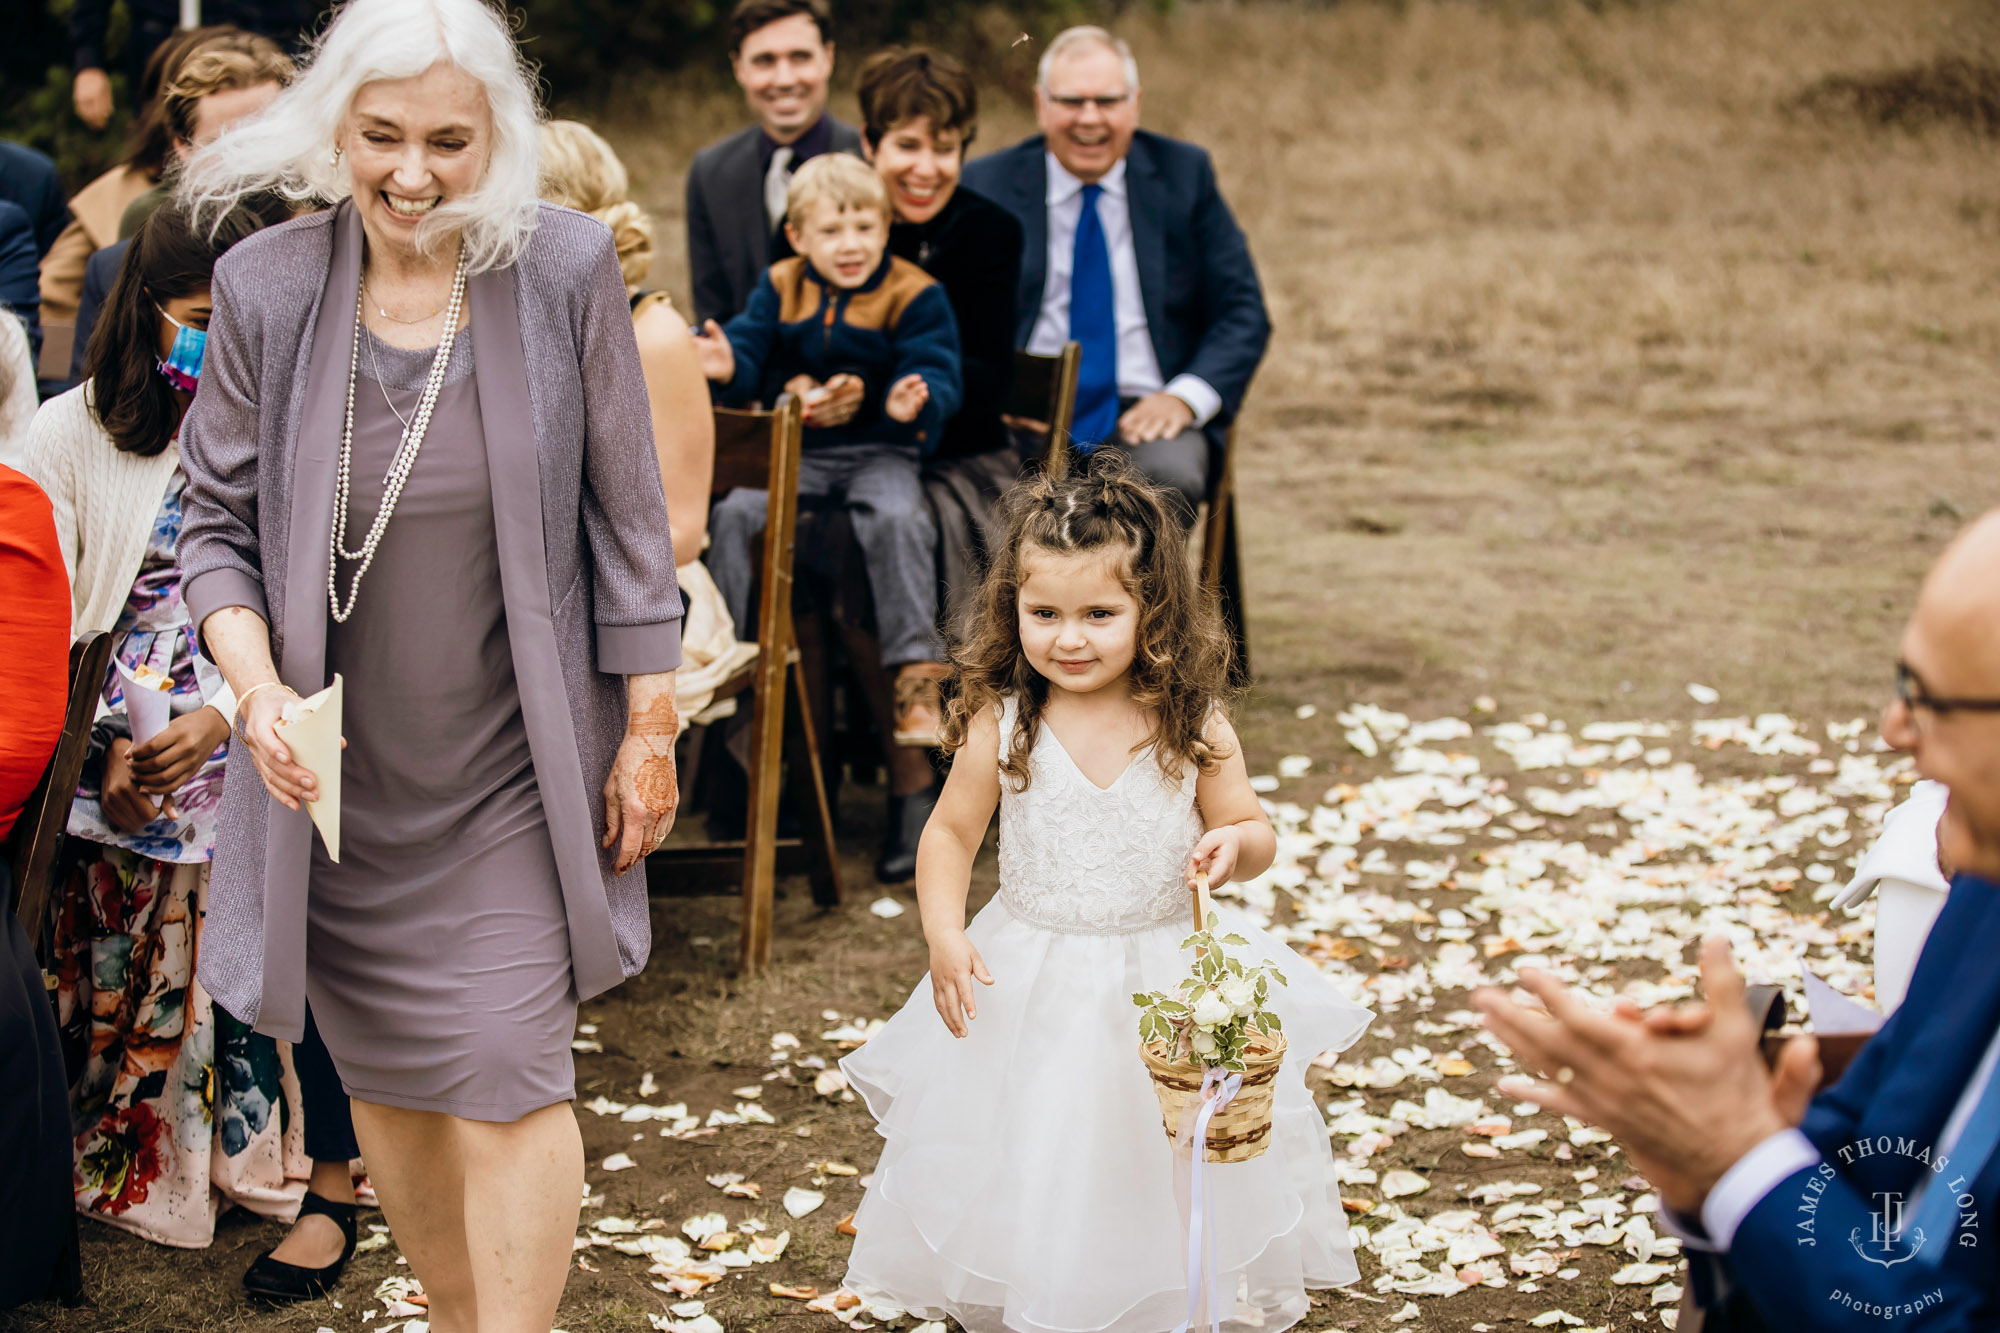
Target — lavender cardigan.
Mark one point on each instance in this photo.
(586, 561)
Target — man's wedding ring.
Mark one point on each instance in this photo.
(1565, 1075)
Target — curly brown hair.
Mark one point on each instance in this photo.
(1181, 660)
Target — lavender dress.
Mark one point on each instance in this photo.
(437, 951)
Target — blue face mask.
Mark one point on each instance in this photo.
(182, 368)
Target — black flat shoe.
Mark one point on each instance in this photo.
(276, 1282)
(907, 817)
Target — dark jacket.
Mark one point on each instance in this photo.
(897, 323)
(1204, 305)
(21, 274)
(1796, 1245)
(973, 248)
(29, 179)
(729, 237)
(98, 275)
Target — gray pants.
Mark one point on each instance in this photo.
(1177, 464)
(878, 485)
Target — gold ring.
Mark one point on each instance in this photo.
(1565, 1075)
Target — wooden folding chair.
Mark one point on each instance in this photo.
(1044, 397)
(31, 854)
(760, 450)
(1221, 569)
(38, 833)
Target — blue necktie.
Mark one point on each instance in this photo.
(1937, 1212)
(1093, 323)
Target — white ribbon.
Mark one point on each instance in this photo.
(1217, 1091)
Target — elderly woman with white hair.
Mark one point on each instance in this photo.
(422, 460)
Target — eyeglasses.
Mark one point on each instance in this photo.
(1913, 693)
(1105, 105)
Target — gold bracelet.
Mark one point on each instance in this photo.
(236, 717)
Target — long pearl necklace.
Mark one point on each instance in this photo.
(399, 467)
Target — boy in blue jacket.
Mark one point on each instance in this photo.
(843, 309)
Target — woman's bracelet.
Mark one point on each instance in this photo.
(236, 718)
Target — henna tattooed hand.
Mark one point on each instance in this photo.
(643, 792)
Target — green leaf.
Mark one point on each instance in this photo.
(1143, 1000)
(1172, 1007)
(1280, 976)
(1190, 941)
(1236, 940)
(1276, 1026)
(1212, 922)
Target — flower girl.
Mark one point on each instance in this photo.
(1027, 1183)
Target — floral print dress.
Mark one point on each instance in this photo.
(180, 1110)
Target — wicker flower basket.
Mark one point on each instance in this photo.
(1242, 1129)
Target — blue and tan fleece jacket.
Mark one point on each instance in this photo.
(897, 323)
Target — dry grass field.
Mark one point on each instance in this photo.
(1615, 350)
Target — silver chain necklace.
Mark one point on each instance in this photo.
(399, 467)
(375, 364)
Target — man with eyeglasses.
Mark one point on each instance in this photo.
(1872, 1203)
(1132, 253)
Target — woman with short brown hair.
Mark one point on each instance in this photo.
(920, 111)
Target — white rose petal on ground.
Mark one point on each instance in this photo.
(799, 1202)
(618, 1161)
(1403, 1184)
(886, 908)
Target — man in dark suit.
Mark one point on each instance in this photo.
(1132, 252)
(1871, 1205)
(782, 54)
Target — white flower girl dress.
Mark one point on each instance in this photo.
(1027, 1183)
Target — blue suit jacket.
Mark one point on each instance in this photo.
(1204, 305)
(1792, 1261)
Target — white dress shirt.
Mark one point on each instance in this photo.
(1138, 364)
(1777, 1158)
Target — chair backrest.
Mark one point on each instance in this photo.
(760, 450)
(38, 833)
(1045, 393)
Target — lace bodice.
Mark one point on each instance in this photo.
(1093, 860)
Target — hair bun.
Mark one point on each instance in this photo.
(632, 235)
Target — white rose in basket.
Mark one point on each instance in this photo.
(1212, 1010)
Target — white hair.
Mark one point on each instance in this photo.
(1086, 35)
(290, 147)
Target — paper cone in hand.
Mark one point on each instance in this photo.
(149, 701)
(311, 729)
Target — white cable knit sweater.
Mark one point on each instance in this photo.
(105, 501)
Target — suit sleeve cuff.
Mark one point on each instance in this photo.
(1198, 394)
(1744, 1185)
(639, 650)
(217, 589)
(1687, 1230)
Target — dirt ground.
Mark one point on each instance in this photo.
(1604, 364)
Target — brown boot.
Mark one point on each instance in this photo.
(919, 709)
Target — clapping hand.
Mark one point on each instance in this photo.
(838, 400)
(907, 398)
(955, 963)
(713, 353)
(1684, 1090)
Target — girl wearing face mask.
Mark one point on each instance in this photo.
(174, 1099)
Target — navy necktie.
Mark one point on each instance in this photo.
(1093, 324)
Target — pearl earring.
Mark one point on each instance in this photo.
(336, 155)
